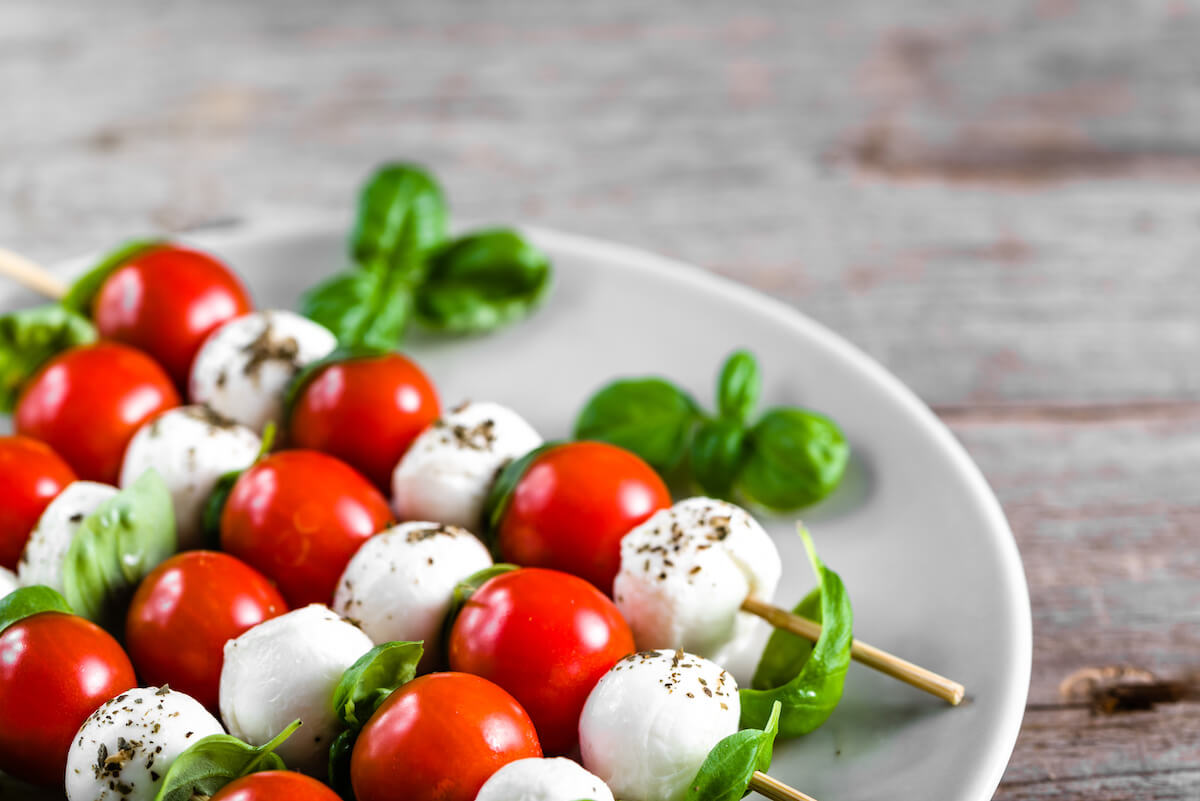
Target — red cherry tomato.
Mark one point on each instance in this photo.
(298, 516)
(31, 475)
(55, 670)
(185, 611)
(574, 504)
(366, 412)
(439, 738)
(165, 301)
(276, 785)
(87, 402)
(546, 637)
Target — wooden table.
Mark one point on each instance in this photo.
(999, 201)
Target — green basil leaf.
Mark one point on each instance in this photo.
(369, 681)
(464, 589)
(116, 546)
(726, 771)
(81, 294)
(716, 455)
(364, 308)
(29, 339)
(481, 281)
(25, 602)
(794, 458)
(214, 761)
(814, 688)
(738, 387)
(648, 416)
(401, 216)
(340, 751)
(500, 495)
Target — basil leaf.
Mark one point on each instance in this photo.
(81, 294)
(214, 761)
(401, 215)
(464, 589)
(482, 281)
(368, 308)
(738, 387)
(815, 685)
(25, 602)
(648, 416)
(500, 495)
(716, 455)
(116, 546)
(29, 339)
(794, 458)
(340, 751)
(369, 681)
(726, 771)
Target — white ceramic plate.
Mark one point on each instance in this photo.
(914, 530)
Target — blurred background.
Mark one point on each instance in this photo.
(998, 201)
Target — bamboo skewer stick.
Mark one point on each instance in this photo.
(776, 790)
(933, 683)
(31, 275)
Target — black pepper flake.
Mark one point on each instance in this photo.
(163, 690)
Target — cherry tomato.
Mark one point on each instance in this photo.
(574, 504)
(275, 785)
(185, 611)
(298, 516)
(439, 738)
(55, 670)
(165, 301)
(546, 637)
(87, 402)
(31, 475)
(365, 411)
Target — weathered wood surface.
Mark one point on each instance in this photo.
(998, 200)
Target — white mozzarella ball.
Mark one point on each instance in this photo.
(287, 668)
(244, 367)
(447, 472)
(650, 722)
(8, 581)
(42, 560)
(190, 447)
(124, 749)
(685, 573)
(534, 779)
(400, 583)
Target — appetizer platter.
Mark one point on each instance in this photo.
(478, 514)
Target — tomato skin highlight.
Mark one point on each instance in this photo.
(166, 301)
(87, 402)
(55, 670)
(31, 475)
(366, 412)
(439, 738)
(546, 637)
(574, 504)
(297, 517)
(185, 611)
(275, 785)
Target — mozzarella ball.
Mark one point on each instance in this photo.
(650, 722)
(190, 447)
(244, 367)
(42, 560)
(447, 472)
(8, 581)
(124, 749)
(685, 573)
(534, 779)
(400, 583)
(287, 668)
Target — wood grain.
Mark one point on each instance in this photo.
(996, 200)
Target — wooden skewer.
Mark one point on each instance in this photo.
(31, 275)
(776, 790)
(894, 666)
